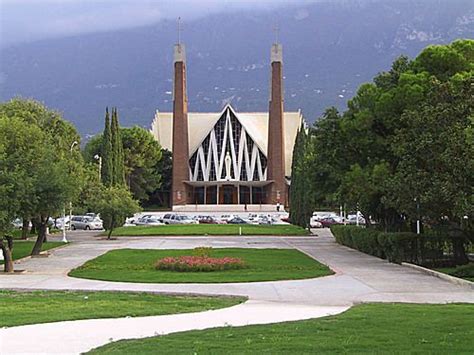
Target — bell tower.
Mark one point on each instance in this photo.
(180, 128)
(277, 191)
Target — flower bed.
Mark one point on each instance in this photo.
(199, 263)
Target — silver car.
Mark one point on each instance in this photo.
(86, 223)
(170, 218)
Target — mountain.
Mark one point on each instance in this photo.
(330, 48)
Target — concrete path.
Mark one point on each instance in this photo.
(359, 278)
(81, 336)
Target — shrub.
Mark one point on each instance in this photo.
(199, 263)
(430, 249)
(464, 271)
(202, 251)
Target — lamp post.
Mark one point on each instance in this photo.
(418, 224)
(357, 215)
(99, 159)
(64, 240)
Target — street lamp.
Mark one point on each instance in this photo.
(72, 146)
(99, 159)
(418, 224)
(64, 240)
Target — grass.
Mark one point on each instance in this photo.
(16, 234)
(372, 328)
(137, 265)
(210, 229)
(23, 248)
(19, 308)
(465, 272)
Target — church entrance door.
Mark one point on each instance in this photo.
(228, 195)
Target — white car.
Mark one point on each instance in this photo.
(314, 223)
(153, 221)
(142, 220)
(86, 223)
(171, 218)
(352, 219)
(227, 217)
(59, 222)
(18, 223)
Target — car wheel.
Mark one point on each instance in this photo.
(73, 227)
(87, 228)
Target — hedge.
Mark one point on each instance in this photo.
(427, 249)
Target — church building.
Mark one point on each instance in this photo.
(228, 160)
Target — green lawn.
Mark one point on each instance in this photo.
(367, 329)
(137, 265)
(19, 308)
(23, 248)
(210, 229)
(16, 234)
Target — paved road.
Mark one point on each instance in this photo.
(359, 278)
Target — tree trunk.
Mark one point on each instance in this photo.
(111, 228)
(7, 249)
(25, 228)
(458, 238)
(41, 236)
(460, 257)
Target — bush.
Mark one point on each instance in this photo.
(428, 249)
(202, 251)
(199, 263)
(464, 271)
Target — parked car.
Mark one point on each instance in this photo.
(262, 219)
(18, 223)
(352, 219)
(317, 216)
(153, 221)
(227, 217)
(143, 220)
(170, 218)
(209, 220)
(315, 223)
(329, 221)
(86, 223)
(237, 220)
(58, 222)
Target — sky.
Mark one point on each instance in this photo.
(30, 20)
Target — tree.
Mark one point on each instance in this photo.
(144, 168)
(436, 160)
(117, 151)
(297, 187)
(164, 167)
(106, 153)
(22, 150)
(39, 152)
(115, 204)
(7, 213)
(403, 149)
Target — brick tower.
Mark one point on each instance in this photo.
(180, 128)
(277, 191)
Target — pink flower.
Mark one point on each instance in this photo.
(199, 263)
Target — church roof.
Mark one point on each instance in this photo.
(200, 124)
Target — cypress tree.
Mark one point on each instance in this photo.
(297, 188)
(106, 152)
(117, 149)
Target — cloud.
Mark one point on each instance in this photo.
(29, 20)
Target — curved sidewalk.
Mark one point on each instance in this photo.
(359, 278)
